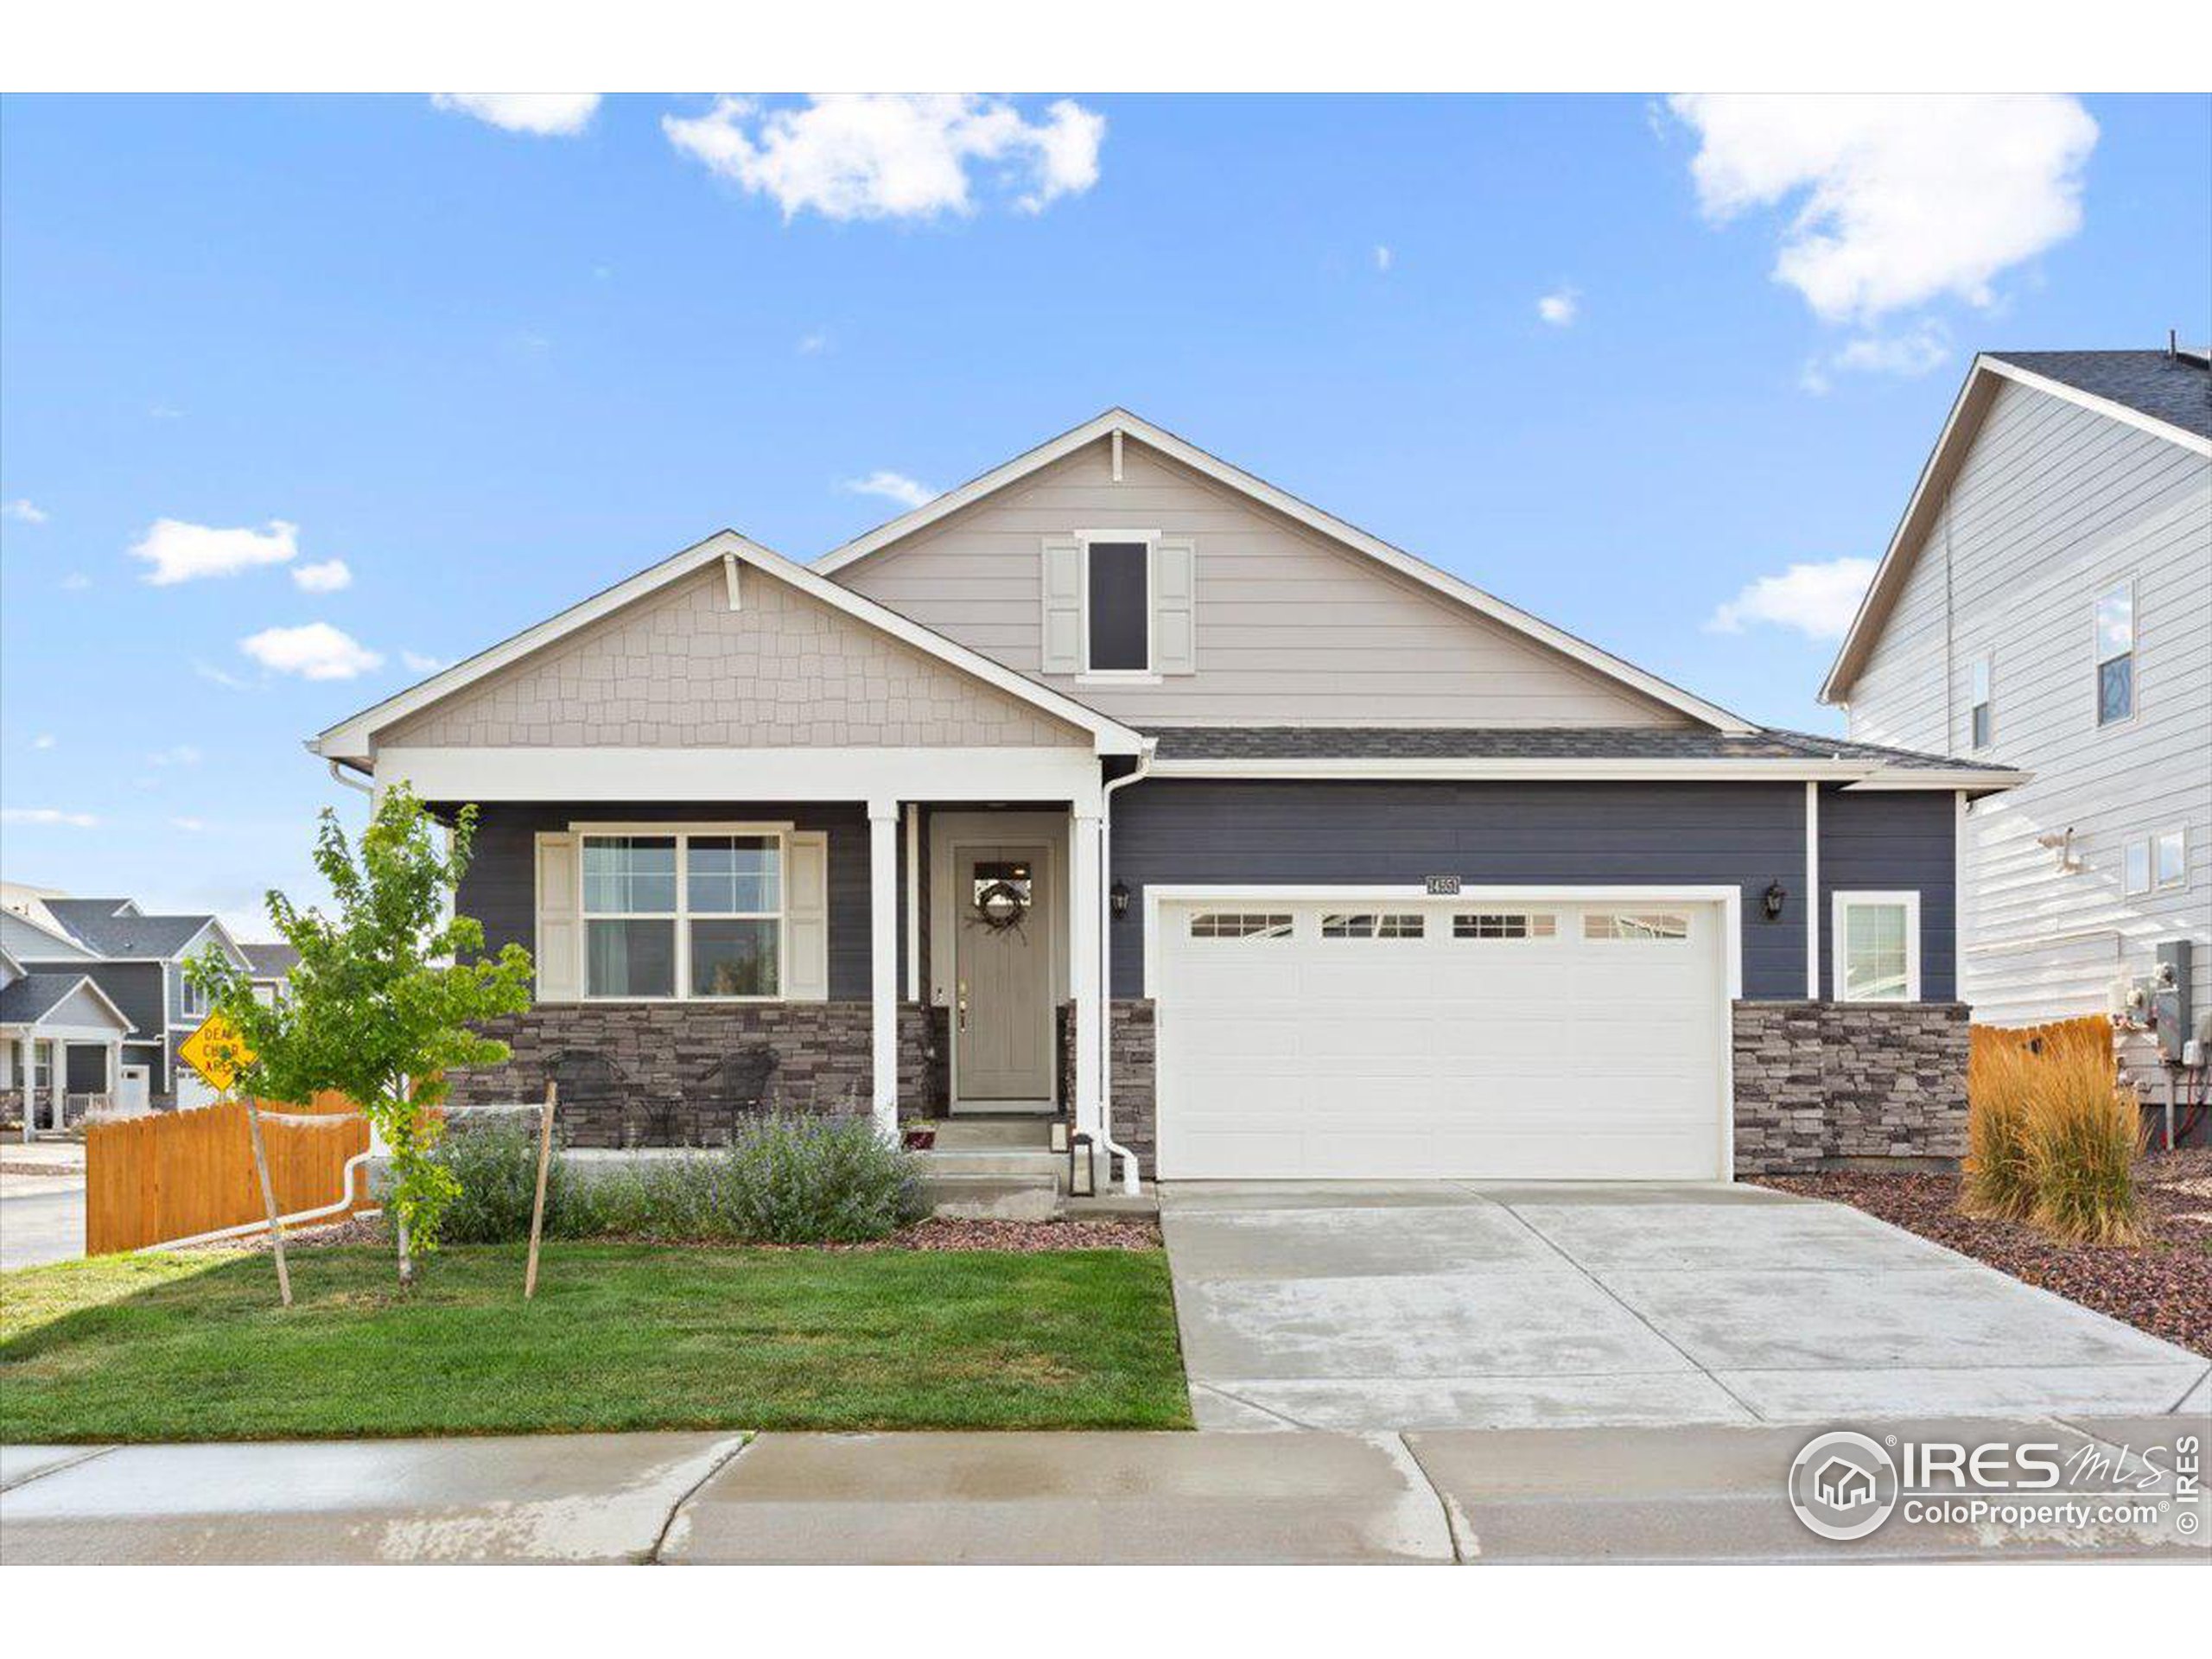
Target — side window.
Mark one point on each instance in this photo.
(2116, 654)
(1877, 947)
(2171, 858)
(1980, 708)
(2135, 866)
(1118, 620)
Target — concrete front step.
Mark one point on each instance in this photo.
(993, 1134)
(1021, 1198)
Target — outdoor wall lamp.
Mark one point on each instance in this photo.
(1118, 897)
(1776, 896)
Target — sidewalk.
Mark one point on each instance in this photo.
(1701, 1494)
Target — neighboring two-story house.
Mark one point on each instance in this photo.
(1123, 786)
(2046, 603)
(137, 961)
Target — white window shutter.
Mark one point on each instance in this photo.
(806, 917)
(559, 955)
(1060, 646)
(1174, 597)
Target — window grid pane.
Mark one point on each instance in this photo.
(1120, 631)
(735, 957)
(1640, 925)
(634, 957)
(1240, 924)
(630, 875)
(732, 875)
(1505, 924)
(1875, 955)
(1367, 925)
(2173, 858)
(2115, 689)
(2137, 863)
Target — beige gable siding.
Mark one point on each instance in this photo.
(681, 669)
(2054, 505)
(1290, 629)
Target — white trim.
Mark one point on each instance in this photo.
(1812, 891)
(1845, 898)
(883, 963)
(611, 774)
(1974, 397)
(1114, 421)
(1728, 898)
(1859, 774)
(1043, 837)
(351, 740)
(914, 901)
(1962, 894)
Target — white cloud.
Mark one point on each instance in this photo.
(313, 651)
(182, 552)
(1559, 308)
(418, 664)
(814, 344)
(24, 511)
(177, 754)
(191, 826)
(215, 675)
(543, 115)
(1819, 601)
(1909, 353)
(1383, 257)
(325, 578)
(1897, 200)
(75, 583)
(892, 486)
(43, 740)
(895, 155)
(163, 412)
(47, 815)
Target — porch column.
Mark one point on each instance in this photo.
(24, 1079)
(883, 959)
(114, 1075)
(1084, 987)
(58, 1074)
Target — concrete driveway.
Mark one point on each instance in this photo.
(42, 1218)
(1441, 1304)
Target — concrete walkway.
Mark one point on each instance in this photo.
(1446, 1306)
(1701, 1494)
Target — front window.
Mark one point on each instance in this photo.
(1878, 947)
(1980, 708)
(703, 912)
(2116, 655)
(1119, 625)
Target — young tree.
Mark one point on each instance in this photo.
(383, 1001)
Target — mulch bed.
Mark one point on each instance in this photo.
(2163, 1285)
(1012, 1238)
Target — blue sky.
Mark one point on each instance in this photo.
(489, 361)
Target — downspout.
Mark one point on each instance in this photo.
(1106, 964)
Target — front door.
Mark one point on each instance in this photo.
(1001, 1011)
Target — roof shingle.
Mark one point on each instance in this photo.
(1504, 742)
(2176, 389)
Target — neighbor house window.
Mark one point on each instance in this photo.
(2116, 655)
(1877, 947)
(189, 1001)
(2171, 859)
(693, 914)
(1117, 578)
(1978, 704)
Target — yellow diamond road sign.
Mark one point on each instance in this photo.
(216, 1052)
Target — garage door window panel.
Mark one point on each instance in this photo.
(1241, 924)
(1505, 924)
(1372, 924)
(1636, 927)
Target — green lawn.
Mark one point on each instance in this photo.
(621, 1337)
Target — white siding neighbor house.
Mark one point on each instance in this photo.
(2047, 603)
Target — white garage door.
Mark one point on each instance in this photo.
(1399, 1039)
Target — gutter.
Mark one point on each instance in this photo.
(1106, 964)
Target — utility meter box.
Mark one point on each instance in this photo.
(2170, 1001)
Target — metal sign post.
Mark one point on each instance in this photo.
(538, 1207)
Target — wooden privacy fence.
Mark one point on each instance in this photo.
(177, 1174)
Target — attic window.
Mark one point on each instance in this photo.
(1118, 582)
